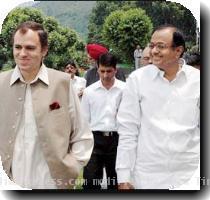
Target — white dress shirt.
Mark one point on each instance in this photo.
(159, 143)
(79, 84)
(100, 106)
(29, 167)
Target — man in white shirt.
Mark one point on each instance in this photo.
(100, 102)
(137, 56)
(159, 133)
(79, 83)
(146, 58)
(44, 139)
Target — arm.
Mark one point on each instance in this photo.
(81, 138)
(85, 106)
(128, 117)
(134, 54)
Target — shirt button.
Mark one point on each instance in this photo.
(16, 113)
(10, 141)
(13, 126)
(22, 85)
(8, 156)
(19, 99)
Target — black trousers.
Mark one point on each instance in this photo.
(103, 155)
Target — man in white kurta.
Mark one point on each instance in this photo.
(159, 134)
(44, 139)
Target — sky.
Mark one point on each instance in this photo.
(8, 5)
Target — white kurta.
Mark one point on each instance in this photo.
(159, 143)
(79, 84)
(29, 167)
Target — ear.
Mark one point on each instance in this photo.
(115, 70)
(44, 51)
(179, 50)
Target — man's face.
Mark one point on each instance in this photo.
(106, 74)
(162, 53)
(91, 61)
(27, 51)
(145, 60)
(70, 69)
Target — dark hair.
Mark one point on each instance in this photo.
(25, 26)
(178, 36)
(107, 60)
(72, 63)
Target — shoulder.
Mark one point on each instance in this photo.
(92, 87)
(58, 74)
(145, 71)
(119, 83)
(191, 73)
(91, 70)
(81, 79)
(6, 75)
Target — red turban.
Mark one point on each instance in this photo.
(95, 50)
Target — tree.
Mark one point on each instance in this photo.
(123, 30)
(98, 15)
(171, 13)
(160, 12)
(61, 39)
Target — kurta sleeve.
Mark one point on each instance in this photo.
(129, 117)
(81, 140)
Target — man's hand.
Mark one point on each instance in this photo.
(125, 186)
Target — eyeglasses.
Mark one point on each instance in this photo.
(159, 46)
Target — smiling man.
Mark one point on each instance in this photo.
(44, 139)
(159, 132)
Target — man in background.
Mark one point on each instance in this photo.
(137, 56)
(100, 104)
(94, 51)
(146, 58)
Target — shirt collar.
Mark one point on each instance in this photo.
(100, 85)
(42, 75)
(182, 70)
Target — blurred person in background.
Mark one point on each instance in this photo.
(94, 51)
(78, 82)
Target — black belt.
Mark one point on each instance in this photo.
(106, 133)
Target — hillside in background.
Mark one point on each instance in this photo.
(73, 14)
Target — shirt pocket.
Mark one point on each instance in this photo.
(59, 121)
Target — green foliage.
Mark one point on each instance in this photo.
(123, 30)
(171, 13)
(62, 40)
(72, 14)
(160, 12)
(98, 15)
(51, 24)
